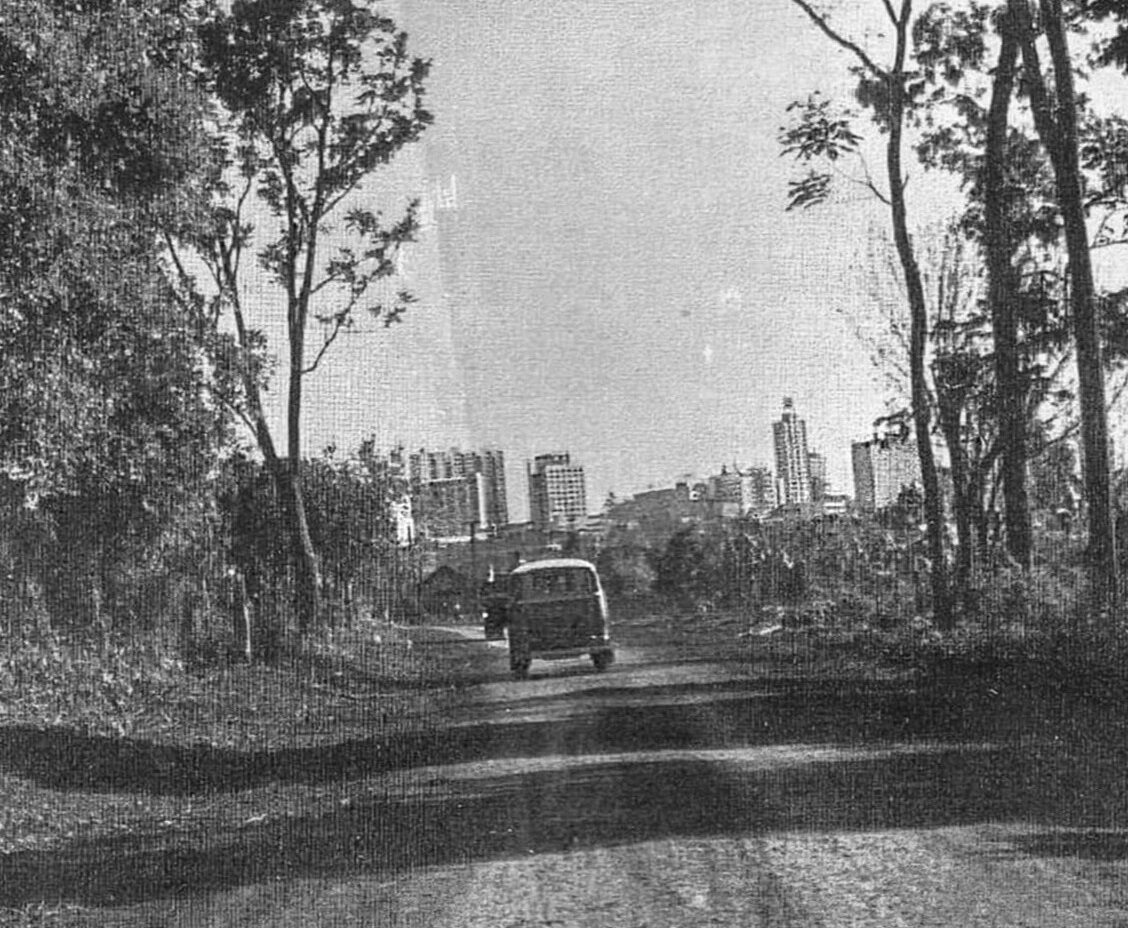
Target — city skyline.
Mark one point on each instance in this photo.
(445, 467)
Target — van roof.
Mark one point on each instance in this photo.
(552, 562)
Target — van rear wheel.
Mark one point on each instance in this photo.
(603, 659)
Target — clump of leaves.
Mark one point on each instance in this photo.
(818, 133)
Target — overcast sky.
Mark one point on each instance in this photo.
(619, 278)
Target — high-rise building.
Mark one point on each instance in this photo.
(883, 467)
(491, 477)
(759, 491)
(454, 489)
(816, 465)
(557, 494)
(793, 463)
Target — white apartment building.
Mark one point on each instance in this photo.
(557, 492)
(793, 461)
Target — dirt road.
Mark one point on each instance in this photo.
(677, 790)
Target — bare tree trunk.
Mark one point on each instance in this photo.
(307, 592)
(287, 483)
(1002, 289)
(1090, 369)
(307, 575)
(918, 335)
(962, 500)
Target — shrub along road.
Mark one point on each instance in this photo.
(682, 787)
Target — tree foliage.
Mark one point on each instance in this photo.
(107, 429)
(99, 376)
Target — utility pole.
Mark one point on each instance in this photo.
(476, 595)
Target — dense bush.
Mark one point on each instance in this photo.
(105, 687)
(872, 574)
(193, 573)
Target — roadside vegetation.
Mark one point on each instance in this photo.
(856, 589)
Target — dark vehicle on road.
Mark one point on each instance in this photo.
(495, 609)
(557, 610)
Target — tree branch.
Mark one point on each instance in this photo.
(840, 40)
(181, 272)
(866, 182)
(332, 201)
(340, 320)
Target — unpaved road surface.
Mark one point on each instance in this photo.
(679, 790)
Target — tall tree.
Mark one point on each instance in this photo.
(319, 95)
(1056, 119)
(1002, 292)
(885, 89)
(960, 384)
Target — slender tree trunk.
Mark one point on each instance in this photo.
(1001, 291)
(918, 335)
(1057, 129)
(1090, 369)
(307, 591)
(287, 483)
(949, 414)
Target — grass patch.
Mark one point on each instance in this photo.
(126, 742)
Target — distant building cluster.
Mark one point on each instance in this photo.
(452, 493)
(802, 483)
(799, 487)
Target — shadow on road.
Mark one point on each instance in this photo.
(580, 807)
(710, 716)
(958, 765)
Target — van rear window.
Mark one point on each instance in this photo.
(557, 581)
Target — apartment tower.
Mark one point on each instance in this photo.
(883, 467)
(454, 489)
(793, 460)
(557, 494)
